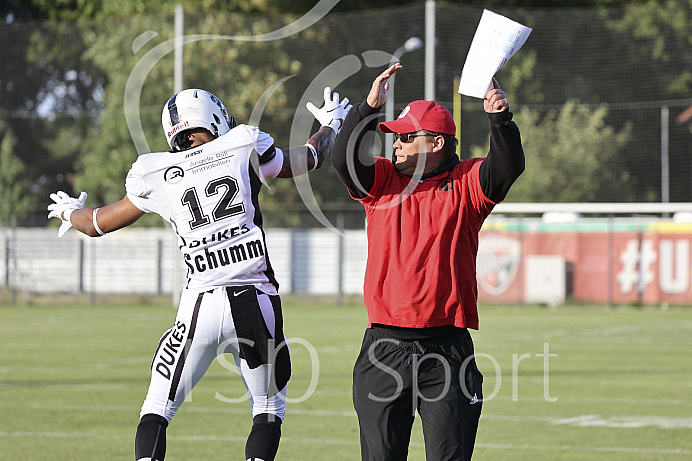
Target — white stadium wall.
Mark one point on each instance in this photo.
(526, 260)
(147, 261)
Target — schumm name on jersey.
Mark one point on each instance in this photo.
(205, 259)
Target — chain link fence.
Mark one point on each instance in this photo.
(64, 96)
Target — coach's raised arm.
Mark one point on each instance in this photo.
(358, 150)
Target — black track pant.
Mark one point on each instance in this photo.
(392, 379)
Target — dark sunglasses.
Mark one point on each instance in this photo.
(408, 137)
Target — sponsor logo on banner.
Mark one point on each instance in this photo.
(497, 263)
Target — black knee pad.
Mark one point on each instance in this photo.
(263, 441)
(150, 441)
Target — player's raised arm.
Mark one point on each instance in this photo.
(331, 117)
(93, 222)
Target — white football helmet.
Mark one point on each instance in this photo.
(194, 108)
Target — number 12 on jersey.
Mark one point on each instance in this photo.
(228, 189)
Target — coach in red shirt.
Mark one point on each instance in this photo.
(424, 212)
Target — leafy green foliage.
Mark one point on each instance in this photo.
(237, 72)
(14, 185)
(567, 154)
(65, 83)
(103, 9)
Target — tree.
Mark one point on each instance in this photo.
(30, 87)
(64, 81)
(569, 156)
(237, 72)
(68, 10)
(15, 188)
(658, 71)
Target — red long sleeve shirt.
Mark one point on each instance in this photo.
(422, 245)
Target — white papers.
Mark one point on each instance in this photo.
(495, 41)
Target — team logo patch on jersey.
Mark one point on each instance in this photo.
(497, 263)
(173, 175)
(446, 185)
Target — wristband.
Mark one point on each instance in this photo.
(335, 124)
(314, 155)
(96, 226)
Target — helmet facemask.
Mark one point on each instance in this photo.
(191, 109)
(182, 141)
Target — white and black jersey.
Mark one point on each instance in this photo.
(209, 194)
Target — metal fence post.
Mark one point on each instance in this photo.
(13, 280)
(92, 297)
(179, 27)
(7, 261)
(340, 258)
(159, 267)
(294, 262)
(430, 49)
(611, 259)
(522, 264)
(81, 266)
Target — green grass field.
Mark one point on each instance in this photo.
(572, 383)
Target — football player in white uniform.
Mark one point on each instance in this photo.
(207, 187)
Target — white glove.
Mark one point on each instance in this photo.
(63, 207)
(333, 112)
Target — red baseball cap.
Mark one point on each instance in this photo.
(421, 115)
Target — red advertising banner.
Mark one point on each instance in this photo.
(649, 266)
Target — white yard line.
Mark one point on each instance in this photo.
(657, 451)
(493, 446)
